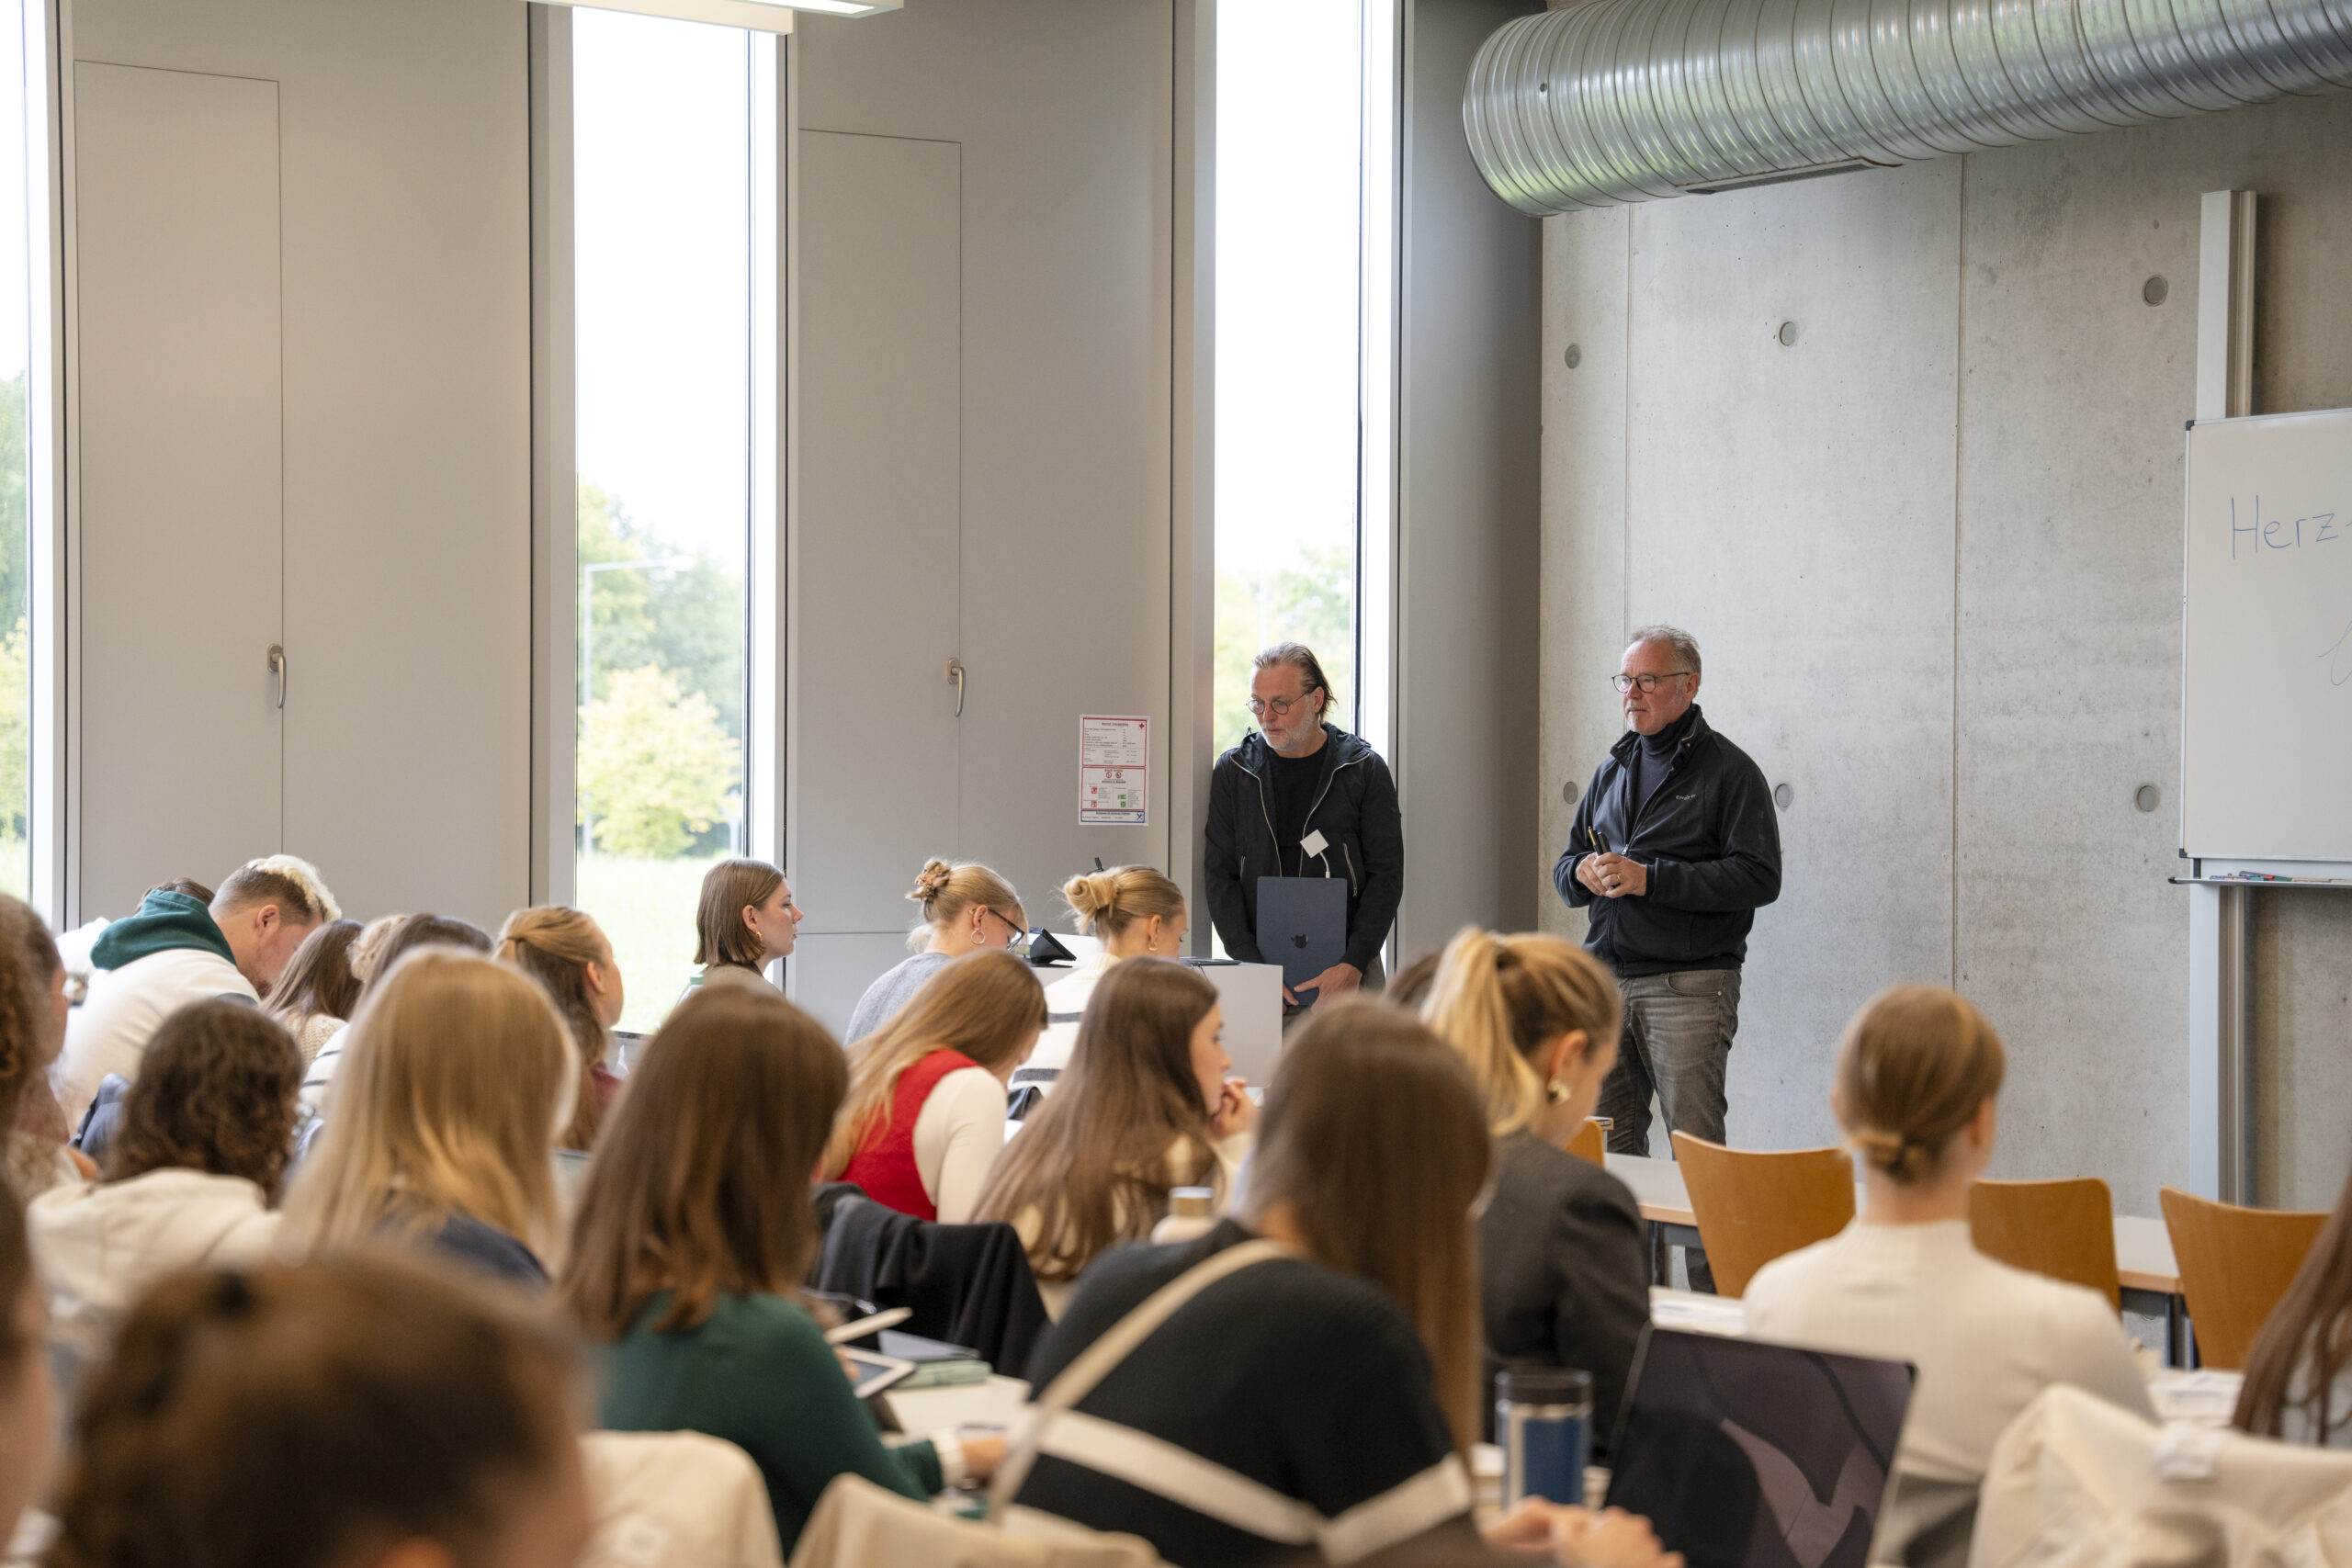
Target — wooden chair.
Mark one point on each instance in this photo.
(1753, 1206)
(2234, 1265)
(2063, 1229)
(1589, 1143)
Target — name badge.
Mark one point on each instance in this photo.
(1314, 844)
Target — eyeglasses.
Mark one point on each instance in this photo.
(1017, 943)
(1279, 707)
(1648, 682)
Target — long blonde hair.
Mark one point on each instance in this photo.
(947, 893)
(554, 945)
(1498, 999)
(1373, 1135)
(988, 1006)
(445, 1105)
(1107, 902)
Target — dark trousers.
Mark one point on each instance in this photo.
(1678, 1029)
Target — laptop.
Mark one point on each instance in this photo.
(1748, 1455)
(1302, 924)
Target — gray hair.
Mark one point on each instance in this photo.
(1685, 646)
(1299, 656)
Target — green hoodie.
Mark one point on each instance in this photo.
(166, 922)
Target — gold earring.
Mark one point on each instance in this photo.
(1558, 1091)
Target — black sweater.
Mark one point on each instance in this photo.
(1286, 1409)
(1563, 1272)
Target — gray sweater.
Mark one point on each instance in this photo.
(894, 990)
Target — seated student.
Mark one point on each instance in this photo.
(353, 1413)
(441, 1128)
(179, 949)
(694, 1234)
(1136, 913)
(1144, 1107)
(745, 922)
(924, 1120)
(1320, 1401)
(192, 1173)
(1915, 1083)
(379, 947)
(2299, 1373)
(1564, 1268)
(33, 1011)
(965, 910)
(315, 998)
(568, 954)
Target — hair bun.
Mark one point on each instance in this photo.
(932, 881)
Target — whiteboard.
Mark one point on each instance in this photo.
(2266, 658)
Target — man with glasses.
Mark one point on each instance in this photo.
(1674, 848)
(1303, 798)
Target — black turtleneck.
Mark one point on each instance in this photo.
(1654, 758)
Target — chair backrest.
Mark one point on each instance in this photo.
(676, 1500)
(1754, 1205)
(1589, 1143)
(2235, 1264)
(2064, 1229)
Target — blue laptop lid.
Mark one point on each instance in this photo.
(1302, 924)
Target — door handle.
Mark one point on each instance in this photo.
(277, 668)
(955, 673)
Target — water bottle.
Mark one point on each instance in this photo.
(1189, 1216)
(1543, 1425)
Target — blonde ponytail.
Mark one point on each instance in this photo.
(1497, 999)
(1107, 902)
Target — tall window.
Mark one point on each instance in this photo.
(1289, 110)
(16, 534)
(662, 257)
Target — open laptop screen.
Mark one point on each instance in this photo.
(1750, 1455)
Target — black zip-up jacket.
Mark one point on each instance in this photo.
(1710, 840)
(1355, 808)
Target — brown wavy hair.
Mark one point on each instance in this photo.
(216, 1092)
(701, 1184)
(1126, 1122)
(1915, 1066)
(29, 1039)
(988, 1007)
(1375, 1138)
(299, 1417)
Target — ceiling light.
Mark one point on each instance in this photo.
(758, 16)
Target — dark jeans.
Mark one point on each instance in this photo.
(1679, 1027)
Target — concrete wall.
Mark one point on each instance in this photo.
(1466, 515)
(1931, 550)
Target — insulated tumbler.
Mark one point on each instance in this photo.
(1543, 1425)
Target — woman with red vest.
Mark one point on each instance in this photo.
(924, 1120)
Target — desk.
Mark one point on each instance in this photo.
(2143, 1260)
(994, 1403)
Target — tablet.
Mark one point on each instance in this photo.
(875, 1373)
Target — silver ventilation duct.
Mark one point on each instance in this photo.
(1626, 100)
